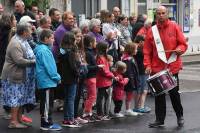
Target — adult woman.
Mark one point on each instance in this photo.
(111, 33)
(17, 75)
(125, 37)
(7, 26)
(7, 29)
(95, 30)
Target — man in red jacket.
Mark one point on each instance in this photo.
(173, 40)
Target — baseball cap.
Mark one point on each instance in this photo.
(26, 19)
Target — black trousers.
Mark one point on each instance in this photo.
(118, 105)
(102, 95)
(46, 104)
(160, 103)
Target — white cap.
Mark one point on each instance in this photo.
(26, 19)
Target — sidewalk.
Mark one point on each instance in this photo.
(191, 59)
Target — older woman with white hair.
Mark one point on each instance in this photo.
(95, 29)
(147, 25)
(84, 26)
(18, 75)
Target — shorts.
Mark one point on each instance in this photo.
(142, 84)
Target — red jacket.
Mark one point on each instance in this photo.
(118, 87)
(143, 31)
(172, 38)
(104, 75)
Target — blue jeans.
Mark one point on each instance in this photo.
(70, 93)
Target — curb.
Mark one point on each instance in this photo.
(191, 62)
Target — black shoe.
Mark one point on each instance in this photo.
(180, 121)
(156, 124)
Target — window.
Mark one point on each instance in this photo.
(142, 7)
(126, 7)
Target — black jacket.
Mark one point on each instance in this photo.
(91, 61)
(68, 67)
(131, 73)
(139, 57)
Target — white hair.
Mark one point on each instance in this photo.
(20, 1)
(94, 22)
(84, 23)
(147, 22)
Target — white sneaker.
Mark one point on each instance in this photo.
(81, 121)
(130, 113)
(119, 115)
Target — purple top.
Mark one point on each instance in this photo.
(58, 35)
(99, 37)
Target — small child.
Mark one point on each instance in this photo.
(110, 89)
(47, 79)
(133, 75)
(104, 80)
(118, 87)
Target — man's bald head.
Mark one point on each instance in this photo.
(19, 6)
(161, 13)
(116, 11)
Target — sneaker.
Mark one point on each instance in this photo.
(72, 124)
(130, 113)
(81, 121)
(106, 118)
(180, 121)
(53, 127)
(144, 110)
(156, 124)
(119, 115)
(26, 119)
(90, 118)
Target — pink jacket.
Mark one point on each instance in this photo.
(104, 75)
(118, 87)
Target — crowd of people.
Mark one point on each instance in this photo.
(51, 57)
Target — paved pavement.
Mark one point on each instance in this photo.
(139, 124)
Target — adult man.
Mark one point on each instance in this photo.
(66, 25)
(20, 11)
(116, 12)
(45, 23)
(34, 9)
(55, 18)
(173, 40)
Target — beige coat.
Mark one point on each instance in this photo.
(15, 64)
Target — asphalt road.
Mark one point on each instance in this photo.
(190, 95)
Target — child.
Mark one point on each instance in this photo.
(104, 80)
(47, 79)
(110, 89)
(69, 72)
(133, 75)
(80, 85)
(143, 89)
(118, 87)
(90, 81)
